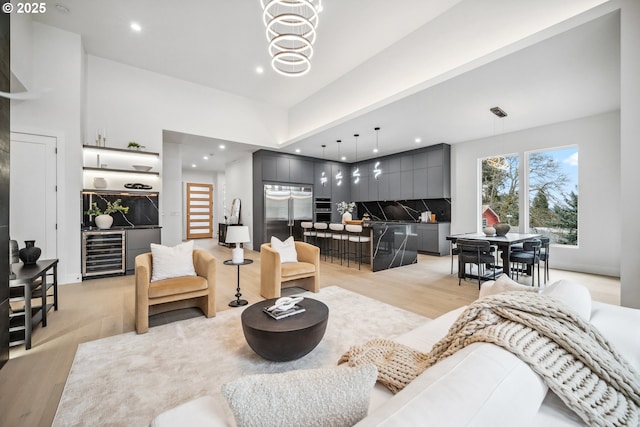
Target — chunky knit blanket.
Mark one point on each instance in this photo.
(572, 357)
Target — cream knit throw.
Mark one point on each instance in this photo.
(572, 357)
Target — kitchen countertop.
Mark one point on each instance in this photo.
(121, 227)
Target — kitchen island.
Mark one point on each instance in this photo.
(393, 244)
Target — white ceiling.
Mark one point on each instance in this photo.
(219, 44)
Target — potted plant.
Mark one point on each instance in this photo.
(345, 208)
(104, 219)
(134, 146)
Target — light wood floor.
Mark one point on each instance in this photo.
(31, 383)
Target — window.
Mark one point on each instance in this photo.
(500, 189)
(553, 194)
(551, 186)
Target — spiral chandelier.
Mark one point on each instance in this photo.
(291, 31)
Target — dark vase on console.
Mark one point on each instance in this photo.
(502, 228)
(30, 253)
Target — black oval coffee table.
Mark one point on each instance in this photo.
(285, 339)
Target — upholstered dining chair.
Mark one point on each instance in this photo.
(529, 256)
(476, 252)
(174, 293)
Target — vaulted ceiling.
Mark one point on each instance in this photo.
(540, 76)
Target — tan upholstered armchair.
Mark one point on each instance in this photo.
(179, 292)
(305, 272)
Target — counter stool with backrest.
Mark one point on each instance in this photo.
(322, 236)
(338, 235)
(476, 252)
(307, 231)
(355, 236)
(529, 256)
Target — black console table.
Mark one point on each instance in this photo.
(32, 282)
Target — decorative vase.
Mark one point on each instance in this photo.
(104, 221)
(30, 253)
(489, 231)
(346, 217)
(502, 228)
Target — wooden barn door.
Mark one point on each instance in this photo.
(199, 211)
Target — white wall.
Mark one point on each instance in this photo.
(599, 225)
(630, 151)
(171, 197)
(239, 178)
(57, 64)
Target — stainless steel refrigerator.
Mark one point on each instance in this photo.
(285, 207)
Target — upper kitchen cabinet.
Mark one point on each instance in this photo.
(432, 173)
(322, 179)
(340, 188)
(285, 168)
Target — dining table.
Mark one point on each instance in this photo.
(503, 243)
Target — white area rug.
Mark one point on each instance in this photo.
(128, 379)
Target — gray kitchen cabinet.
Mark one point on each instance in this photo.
(406, 184)
(138, 241)
(435, 157)
(373, 185)
(406, 163)
(282, 171)
(392, 164)
(301, 171)
(394, 186)
(420, 183)
(432, 238)
(435, 182)
(269, 168)
(322, 180)
(340, 189)
(420, 160)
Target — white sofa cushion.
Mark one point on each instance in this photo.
(481, 384)
(503, 284)
(337, 396)
(286, 249)
(572, 294)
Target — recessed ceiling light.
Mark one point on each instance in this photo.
(418, 140)
(205, 157)
(343, 158)
(193, 165)
(297, 150)
(221, 146)
(375, 150)
(259, 70)
(136, 27)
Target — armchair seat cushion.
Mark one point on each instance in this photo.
(290, 270)
(176, 285)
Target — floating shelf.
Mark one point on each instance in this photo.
(119, 150)
(87, 168)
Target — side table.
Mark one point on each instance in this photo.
(238, 302)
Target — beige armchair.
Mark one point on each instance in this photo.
(305, 272)
(179, 292)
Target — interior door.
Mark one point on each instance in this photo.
(199, 211)
(33, 197)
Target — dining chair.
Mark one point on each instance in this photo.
(544, 256)
(478, 252)
(529, 256)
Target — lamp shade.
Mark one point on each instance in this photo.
(237, 234)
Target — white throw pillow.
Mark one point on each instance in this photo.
(503, 284)
(286, 249)
(572, 294)
(171, 262)
(337, 396)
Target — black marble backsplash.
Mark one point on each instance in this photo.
(405, 210)
(143, 208)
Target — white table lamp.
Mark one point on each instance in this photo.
(237, 234)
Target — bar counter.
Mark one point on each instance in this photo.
(393, 244)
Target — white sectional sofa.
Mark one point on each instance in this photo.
(480, 385)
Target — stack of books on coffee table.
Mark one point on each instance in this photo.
(281, 314)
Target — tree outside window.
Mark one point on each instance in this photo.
(553, 194)
(500, 189)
